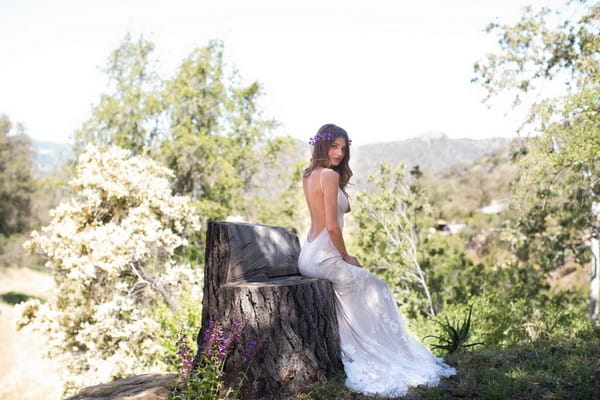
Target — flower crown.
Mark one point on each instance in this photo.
(323, 136)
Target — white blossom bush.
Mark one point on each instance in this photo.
(115, 249)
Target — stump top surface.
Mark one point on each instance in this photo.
(254, 251)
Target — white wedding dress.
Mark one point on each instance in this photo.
(379, 355)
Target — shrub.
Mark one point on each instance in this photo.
(115, 250)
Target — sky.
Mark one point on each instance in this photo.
(383, 70)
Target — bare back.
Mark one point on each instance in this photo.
(321, 192)
(313, 192)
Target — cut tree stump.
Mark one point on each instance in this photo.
(251, 274)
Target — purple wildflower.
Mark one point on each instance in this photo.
(186, 359)
(223, 347)
(213, 336)
(216, 340)
(208, 338)
(250, 350)
(234, 335)
(217, 344)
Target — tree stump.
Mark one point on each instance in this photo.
(251, 274)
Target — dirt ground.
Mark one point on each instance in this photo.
(24, 373)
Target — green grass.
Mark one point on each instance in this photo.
(13, 298)
(542, 370)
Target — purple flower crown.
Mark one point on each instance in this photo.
(323, 136)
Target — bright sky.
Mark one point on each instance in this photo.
(383, 70)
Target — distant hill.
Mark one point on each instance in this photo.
(435, 153)
(49, 155)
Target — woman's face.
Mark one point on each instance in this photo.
(337, 151)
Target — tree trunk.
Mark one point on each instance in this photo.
(595, 264)
(252, 275)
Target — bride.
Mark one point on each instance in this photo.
(379, 355)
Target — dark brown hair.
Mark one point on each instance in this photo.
(321, 143)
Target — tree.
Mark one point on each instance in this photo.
(217, 137)
(116, 253)
(202, 122)
(391, 220)
(129, 115)
(559, 189)
(16, 178)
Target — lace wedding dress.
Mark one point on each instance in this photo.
(379, 355)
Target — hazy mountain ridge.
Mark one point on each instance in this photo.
(435, 153)
(48, 156)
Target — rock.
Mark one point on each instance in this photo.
(140, 387)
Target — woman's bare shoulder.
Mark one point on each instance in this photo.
(330, 172)
(329, 176)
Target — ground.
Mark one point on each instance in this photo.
(24, 372)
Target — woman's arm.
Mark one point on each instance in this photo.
(329, 183)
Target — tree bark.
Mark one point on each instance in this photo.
(251, 275)
(595, 264)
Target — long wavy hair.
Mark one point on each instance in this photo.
(320, 148)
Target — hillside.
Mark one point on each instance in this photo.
(434, 153)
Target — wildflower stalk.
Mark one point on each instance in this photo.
(206, 380)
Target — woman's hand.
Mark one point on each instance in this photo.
(351, 260)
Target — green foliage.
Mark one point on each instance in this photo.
(204, 383)
(49, 191)
(455, 335)
(500, 264)
(506, 317)
(16, 179)
(535, 50)
(277, 199)
(186, 321)
(560, 167)
(453, 277)
(391, 221)
(129, 115)
(13, 297)
(396, 242)
(551, 224)
(217, 137)
(202, 123)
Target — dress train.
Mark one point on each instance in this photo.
(379, 355)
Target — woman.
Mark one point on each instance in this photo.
(379, 355)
